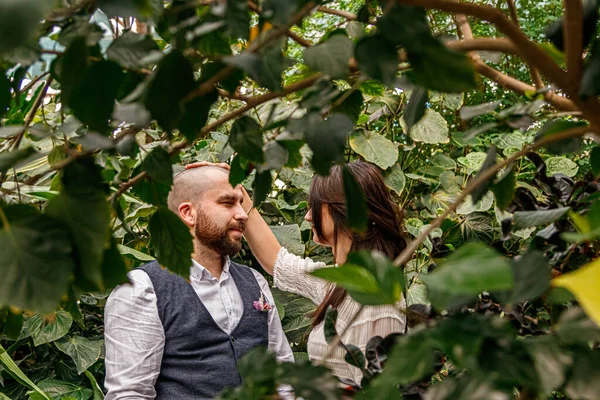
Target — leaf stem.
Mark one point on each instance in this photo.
(4, 220)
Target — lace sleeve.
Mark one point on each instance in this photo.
(291, 273)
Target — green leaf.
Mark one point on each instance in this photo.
(262, 186)
(134, 254)
(19, 20)
(331, 56)
(490, 160)
(276, 155)
(528, 219)
(415, 110)
(327, 140)
(555, 31)
(329, 324)
(13, 324)
(82, 206)
(133, 51)
(550, 362)
(172, 81)
(404, 25)
(584, 382)
(61, 390)
(195, 115)
(246, 138)
(98, 394)
(504, 189)
(561, 165)
(13, 369)
(172, 241)
(152, 192)
(104, 80)
(5, 95)
(290, 237)
(356, 202)
(36, 257)
(360, 283)
(452, 101)
(10, 159)
(378, 59)
(532, 274)
(395, 179)
(50, 328)
(237, 16)
(84, 352)
(239, 170)
(432, 128)
(157, 165)
(472, 269)
(374, 148)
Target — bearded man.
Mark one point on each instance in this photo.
(172, 338)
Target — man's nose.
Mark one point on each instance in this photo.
(240, 214)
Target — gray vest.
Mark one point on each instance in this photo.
(199, 358)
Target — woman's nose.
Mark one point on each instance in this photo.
(308, 215)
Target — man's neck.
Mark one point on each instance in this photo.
(209, 259)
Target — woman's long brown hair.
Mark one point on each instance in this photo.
(384, 232)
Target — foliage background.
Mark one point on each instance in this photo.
(486, 323)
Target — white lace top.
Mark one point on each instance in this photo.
(291, 274)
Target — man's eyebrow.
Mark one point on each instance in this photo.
(229, 196)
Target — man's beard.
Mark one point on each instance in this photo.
(216, 238)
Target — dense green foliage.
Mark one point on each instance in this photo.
(101, 102)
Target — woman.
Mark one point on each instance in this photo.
(291, 273)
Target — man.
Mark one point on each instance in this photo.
(168, 338)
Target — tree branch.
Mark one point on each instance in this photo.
(38, 102)
(474, 183)
(530, 51)
(573, 39)
(483, 44)
(250, 103)
(345, 14)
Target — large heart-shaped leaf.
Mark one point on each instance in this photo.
(374, 148)
(84, 352)
(171, 240)
(50, 328)
(432, 128)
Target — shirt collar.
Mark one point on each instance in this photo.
(199, 272)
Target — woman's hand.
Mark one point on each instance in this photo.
(208, 164)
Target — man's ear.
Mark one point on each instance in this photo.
(187, 213)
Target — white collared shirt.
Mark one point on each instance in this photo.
(135, 337)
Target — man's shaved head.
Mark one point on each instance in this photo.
(189, 185)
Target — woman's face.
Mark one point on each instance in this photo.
(326, 224)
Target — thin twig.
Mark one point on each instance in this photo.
(34, 81)
(474, 183)
(31, 115)
(345, 14)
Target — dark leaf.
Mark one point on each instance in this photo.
(329, 324)
(37, 260)
(354, 356)
(13, 323)
(104, 80)
(404, 25)
(157, 165)
(550, 361)
(83, 352)
(239, 170)
(276, 155)
(356, 202)
(595, 160)
(152, 192)
(472, 269)
(378, 59)
(172, 81)
(504, 189)
(468, 112)
(72, 69)
(331, 56)
(527, 219)
(308, 381)
(327, 140)
(571, 145)
(142, 9)
(19, 20)
(246, 138)
(50, 328)
(133, 50)
(82, 206)
(584, 382)
(262, 186)
(555, 31)
(351, 105)
(172, 241)
(589, 86)
(114, 272)
(490, 160)
(13, 158)
(237, 16)
(5, 94)
(195, 115)
(415, 110)
(532, 275)
(265, 67)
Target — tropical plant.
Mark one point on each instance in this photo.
(482, 117)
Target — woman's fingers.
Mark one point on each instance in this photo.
(207, 164)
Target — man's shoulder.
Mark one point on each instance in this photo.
(249, 271)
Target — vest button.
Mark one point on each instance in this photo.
(232, 339)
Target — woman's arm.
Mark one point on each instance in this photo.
(262, 241)
(260, 238)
